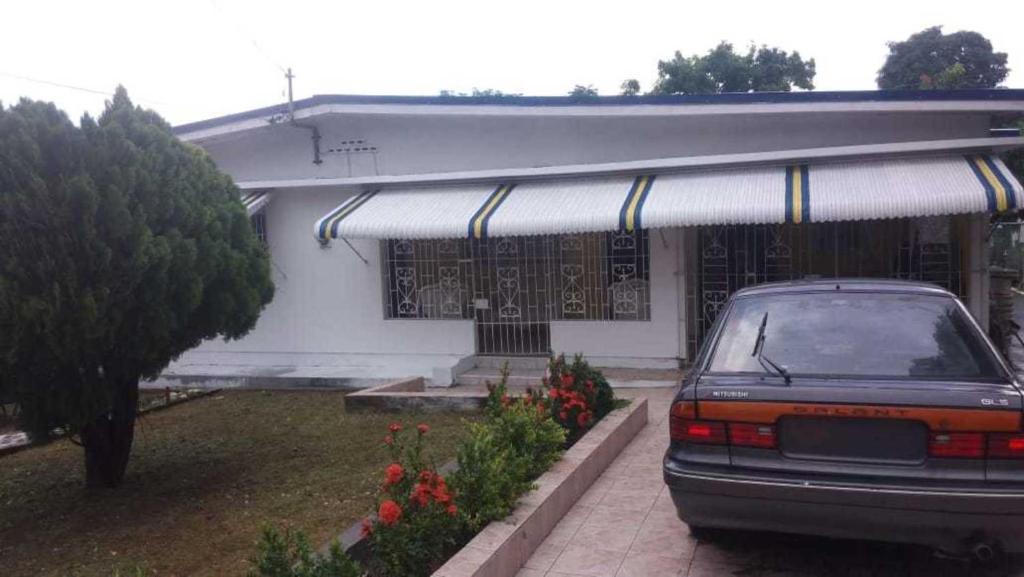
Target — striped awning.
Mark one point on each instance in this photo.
(254, 201)
(801, 193)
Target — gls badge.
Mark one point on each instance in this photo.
(995, 402)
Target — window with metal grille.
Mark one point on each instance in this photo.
(596, 276)
(259, 225)
(427, 279)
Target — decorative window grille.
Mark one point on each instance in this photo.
(732, 257)
(601, 276)
(597, 276)
(426, 279)
(259, 225)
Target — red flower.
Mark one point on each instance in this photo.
(421, 494)
(426, 476)
(393, 474)
(423, 428)
(567, 381)
(553, 393)
(389, 512)
(583, 419)
(394, 427)
(563, 415)
(452, 510)
(389, 440)
(367, 529)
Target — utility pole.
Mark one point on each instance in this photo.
(315, 132)
(291, 102)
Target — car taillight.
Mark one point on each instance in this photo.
(703, 432)
(1006, 446)
(678, 415)
(965, 445)
(684, 426)
(751, 435)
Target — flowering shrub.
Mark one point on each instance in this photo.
(577, 395)
(502, 456)
(289, 555)
(417, 524)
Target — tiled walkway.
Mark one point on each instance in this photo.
(626, 526)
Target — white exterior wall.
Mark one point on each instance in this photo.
(327, 313)
(651, 344)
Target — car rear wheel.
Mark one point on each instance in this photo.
(702, 533)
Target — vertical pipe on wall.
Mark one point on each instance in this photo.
(681, 280)
(977, 268)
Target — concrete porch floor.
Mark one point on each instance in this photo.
(625, 525)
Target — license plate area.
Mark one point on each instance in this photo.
(888, 441)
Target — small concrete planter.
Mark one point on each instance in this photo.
(504, 546)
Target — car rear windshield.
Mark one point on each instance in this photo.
(855, 334)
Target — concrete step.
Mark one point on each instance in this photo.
(517, 378)
(514, 363)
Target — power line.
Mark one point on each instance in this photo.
(73, 87)
(57, 84)
(245, 37)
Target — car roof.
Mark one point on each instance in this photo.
(840, 284)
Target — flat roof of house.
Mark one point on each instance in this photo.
(598, 104)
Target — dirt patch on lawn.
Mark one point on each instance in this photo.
(204, 476)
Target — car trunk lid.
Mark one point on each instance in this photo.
(868, 427)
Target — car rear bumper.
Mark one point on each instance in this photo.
(944, 518)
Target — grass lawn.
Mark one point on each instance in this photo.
(204, 476)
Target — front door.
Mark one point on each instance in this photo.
(511, 295)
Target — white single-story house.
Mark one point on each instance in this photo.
(411, 236)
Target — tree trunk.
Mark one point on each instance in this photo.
(108, 439)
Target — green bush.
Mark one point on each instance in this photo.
(289, 555)
(578, 395)
(503, 455)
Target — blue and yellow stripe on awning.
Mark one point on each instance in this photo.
(327, 227)
(998, 191)
(478, 223)
(631, 213)
(798, 194)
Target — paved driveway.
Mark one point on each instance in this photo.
(626, 526)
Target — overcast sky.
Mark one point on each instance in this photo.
(196, 59)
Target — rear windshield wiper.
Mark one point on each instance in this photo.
(769, 365)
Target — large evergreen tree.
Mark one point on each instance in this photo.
(120, 248)
(931, 59)
(722, 69)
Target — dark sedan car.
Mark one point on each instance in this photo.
(851, 408)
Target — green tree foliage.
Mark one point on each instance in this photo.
(722, 69)
(630, 87)
(478, 93)
(120, 248)
(581, 92)
(931, 59)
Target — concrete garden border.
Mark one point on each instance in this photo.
(413, 395)
(502, 548)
